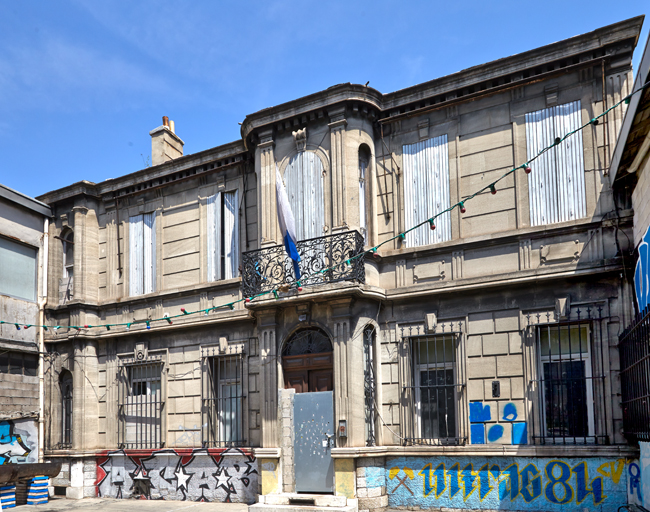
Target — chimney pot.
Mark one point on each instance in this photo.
(166, 121)
(172, 126)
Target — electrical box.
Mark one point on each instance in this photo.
(343, 428)
(496, 389)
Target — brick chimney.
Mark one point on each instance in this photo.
(165, 144)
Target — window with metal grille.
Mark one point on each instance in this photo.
(369, 383)
(570, 390)
(223, 235)
(142, 254)
(432, 396)
(426, 190)
(556, 185)
(140, 406)
(223, 401)
(65, 383)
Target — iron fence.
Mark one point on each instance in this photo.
(369, 383)
(140, 405)
(430, 395)
(223, 400)
(634, 349)
(569, 392)
(265, 269)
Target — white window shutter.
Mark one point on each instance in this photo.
(135, 255)
(426, 190)
(214, 236)
(231, 233)
(303, 178)
(149, 256)
(556, 185)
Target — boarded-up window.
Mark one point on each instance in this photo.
(303, 179)
(223, 235)
(142, 254)
(426, 190)
(556, 185)
(17, 270)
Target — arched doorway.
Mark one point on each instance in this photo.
(307, 361)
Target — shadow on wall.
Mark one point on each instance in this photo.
(222, 475)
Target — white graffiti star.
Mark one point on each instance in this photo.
(222, 479)
(182, 477)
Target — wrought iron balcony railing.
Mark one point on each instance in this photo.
(265, 269)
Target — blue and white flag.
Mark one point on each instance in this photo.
(287, 223)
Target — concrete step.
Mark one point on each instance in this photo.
(313, 500)
(263, 507)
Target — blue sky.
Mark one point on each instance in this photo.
(83, 82)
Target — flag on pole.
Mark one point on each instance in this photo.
(287, 222)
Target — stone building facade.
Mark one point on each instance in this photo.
(23, 249)
(473, 365)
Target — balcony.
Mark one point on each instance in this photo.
(265, 269)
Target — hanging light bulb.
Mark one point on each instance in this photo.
(108, 327)
(493, 189)
(148, 324)
(184, 312)
(17, 327)
(128, 327)
(527, 169)
(462, 207)
(169, 320)
(432, 226)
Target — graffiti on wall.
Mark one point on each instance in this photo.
(508, 483)
(509, 429)
(18, 441)
(206, 474)
(642, 273)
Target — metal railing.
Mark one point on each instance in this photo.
(223, 400)
(140, 406)
(433, 380)
(369, 383)
(570, 391)
(634, 350)
(265, 269)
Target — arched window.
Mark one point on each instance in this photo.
(68, 254)
(364, 176)
(307, 361)
(65, 383)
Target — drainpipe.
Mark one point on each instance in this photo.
(41, 343)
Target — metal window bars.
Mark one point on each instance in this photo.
(66, 413)
(568, 388)
(634, 349)
(140, 405)
(223, 400)
(369, 383)
(430, 390)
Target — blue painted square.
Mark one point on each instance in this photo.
(478, 433)
(479, 412)
(519, 433)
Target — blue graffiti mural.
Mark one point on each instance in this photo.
(480, 413)
(642, 273)
(13, 448)
(508, 483)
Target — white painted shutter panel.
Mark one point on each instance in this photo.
(214, 237)
(149, 256)
(135, 255)
(556, 185)
(303, 178)
(363, 165)
(426, 190)
(231, 233)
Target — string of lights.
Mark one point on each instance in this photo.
(492, 187)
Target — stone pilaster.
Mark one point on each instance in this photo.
(267, 327)
(86, 254)
(266, 200)
(338, 190)
(85, 401)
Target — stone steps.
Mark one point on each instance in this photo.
(304, 503)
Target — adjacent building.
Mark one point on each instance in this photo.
(474, 365)
(23, 287)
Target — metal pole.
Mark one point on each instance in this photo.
(41, 342)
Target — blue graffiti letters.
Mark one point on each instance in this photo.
(561, 481)
(531, 483)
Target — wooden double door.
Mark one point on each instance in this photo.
(309, 372)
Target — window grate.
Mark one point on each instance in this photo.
(223, 401)
(369, 383)
(431, 397)
(635, 368)
(140, 406)
(570, 389)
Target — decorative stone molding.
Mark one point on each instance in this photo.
(300, 139)
(423, 129)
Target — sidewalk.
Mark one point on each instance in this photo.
(113, 505)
